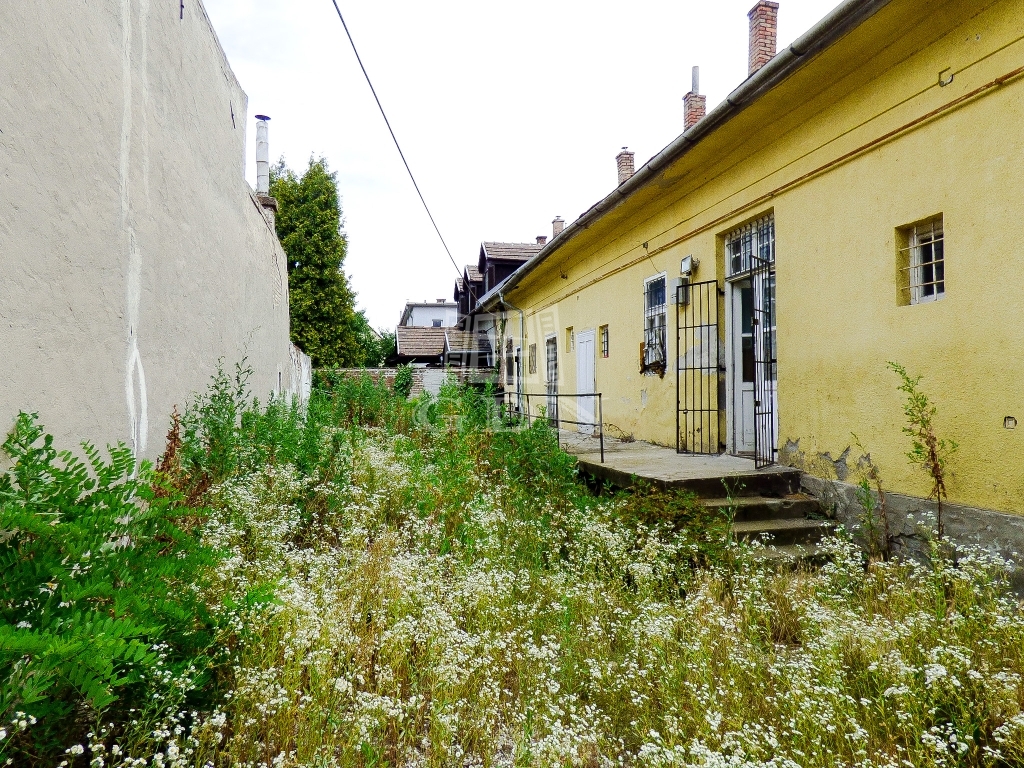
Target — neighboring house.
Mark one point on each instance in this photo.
(468, 290)
(417, 345)
(438, 347)
(437, 314)
(743, 291)
(135, 257)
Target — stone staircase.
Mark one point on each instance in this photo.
(768, 506)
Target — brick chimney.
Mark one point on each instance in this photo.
(694, 105)
(763, 28)
(557, 226)
(542, 239)
(624, 161)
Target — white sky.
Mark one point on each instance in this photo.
(509, 113)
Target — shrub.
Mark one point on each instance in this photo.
(101, 592)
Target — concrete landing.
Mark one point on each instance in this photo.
(707, 476)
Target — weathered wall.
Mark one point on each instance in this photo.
(858, 143)
(133, 253)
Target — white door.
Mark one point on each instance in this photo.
(586, 383)
(743, 373)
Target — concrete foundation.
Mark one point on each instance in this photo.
(912, 522)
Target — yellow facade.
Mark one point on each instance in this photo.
(857, 143)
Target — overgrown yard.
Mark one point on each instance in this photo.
(385, 583)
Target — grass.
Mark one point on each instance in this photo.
(440, 591)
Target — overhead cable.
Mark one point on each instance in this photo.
(395, 138)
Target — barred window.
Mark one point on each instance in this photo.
(604, 341)
(654, 352)
(509, 364)
(751, 245)
(921, 262)
(532, 358)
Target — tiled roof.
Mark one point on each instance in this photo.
(465, 341)
(511, 251)
(474, 274)
(417, 341)
(460, 285)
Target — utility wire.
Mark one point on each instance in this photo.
(395, 138)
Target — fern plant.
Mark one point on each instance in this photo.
(99, 598)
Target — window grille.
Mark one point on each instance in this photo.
(604, 341)
(532, 358)
(509, 364)
(437, 323)
(654, 351)
(754, 239)
(922, 262)
(570, 339)
(551, 370)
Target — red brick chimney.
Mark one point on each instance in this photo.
(542, 239)
(763, 28)
(694, 105)
(624, 161)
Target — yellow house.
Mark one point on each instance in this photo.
(743, 290)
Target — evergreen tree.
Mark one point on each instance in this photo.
(324, 321)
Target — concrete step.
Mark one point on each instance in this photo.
(743, 508)
(793, 555)
(783, 531)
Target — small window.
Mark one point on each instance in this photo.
(921, 262)
(654, 352)
(510, 364)
(533, 358)
(437, 323)
(570, 339)
(604, 341)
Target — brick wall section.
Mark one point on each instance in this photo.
(694, 109)
(763, 34)
(624, 162)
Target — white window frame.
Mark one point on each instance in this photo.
(920, 236)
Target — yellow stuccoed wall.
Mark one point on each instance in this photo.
(859, 142)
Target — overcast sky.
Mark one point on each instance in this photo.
(509, 113)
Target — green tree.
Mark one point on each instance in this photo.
(377, 345)
(324, 320)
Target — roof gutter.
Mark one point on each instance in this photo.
(836, 25)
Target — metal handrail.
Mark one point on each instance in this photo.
(557, 419)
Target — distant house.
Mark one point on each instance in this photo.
(468, 290)
(429, 314)
(437, 347)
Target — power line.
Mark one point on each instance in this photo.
(395, 138)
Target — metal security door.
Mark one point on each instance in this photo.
(766, 436)
(698, 369)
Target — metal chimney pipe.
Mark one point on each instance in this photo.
(262, 156)
(695, 88)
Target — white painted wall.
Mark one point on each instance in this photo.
(424, 315)
(132, 252)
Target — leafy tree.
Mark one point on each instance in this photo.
(377, 345)
(324, 320)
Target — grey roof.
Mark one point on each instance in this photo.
(418, 341)
(510, 251)
(474, 274)
(465, 341)
(837, 24)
